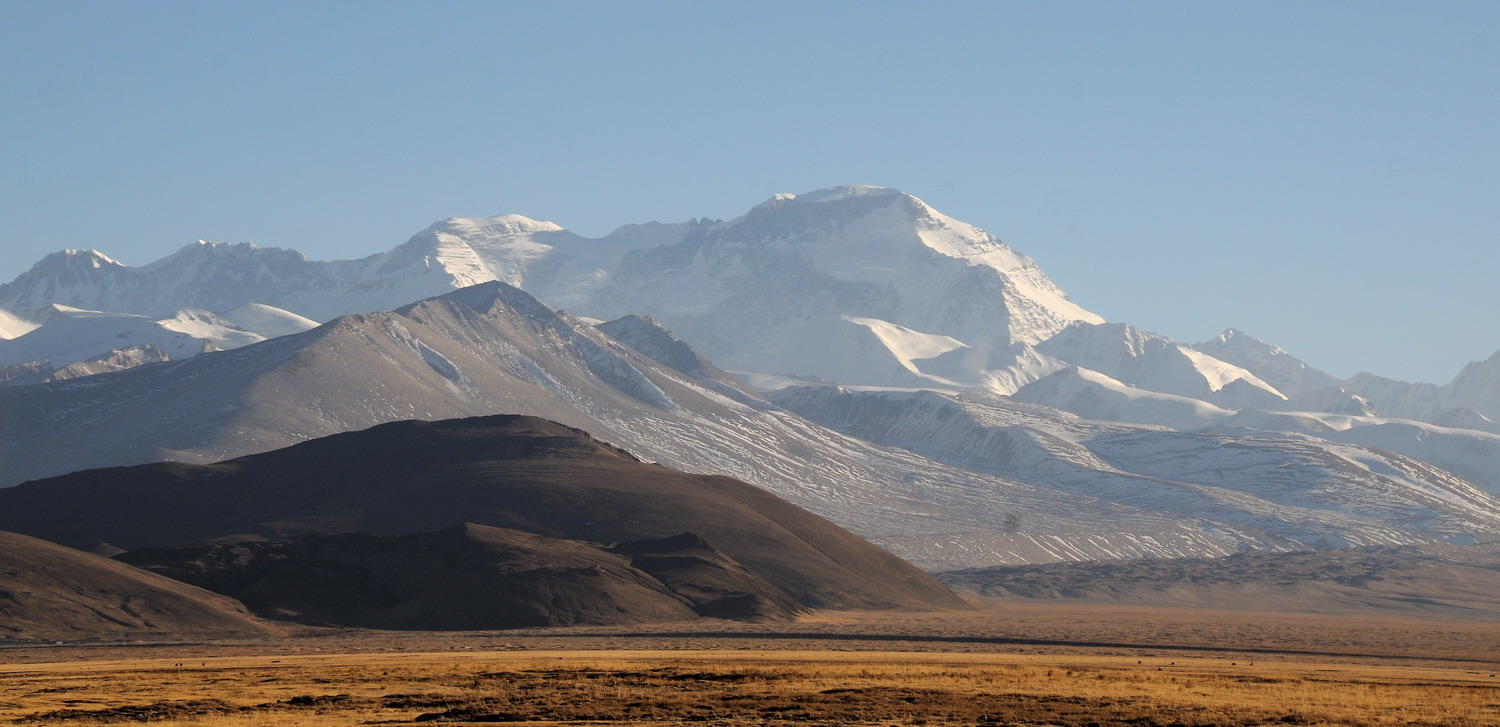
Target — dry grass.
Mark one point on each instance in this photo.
(1055, 663)
(642, 687)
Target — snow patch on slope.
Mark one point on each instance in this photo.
(1157, 363)
(72, 334)
(268, 321)
(1094, 395)
(13, 326)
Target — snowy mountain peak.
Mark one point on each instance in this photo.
(214, 249)
(509, 224)
(1238, 338)
(855, 251)
(1271, 363)
(476, 249)
(1477, 387)
(59, 277)
(215, 255)
(1120, 338)
(73, 260)
(1157, 363)
(218, 245)
(488, 297)
(848, 191)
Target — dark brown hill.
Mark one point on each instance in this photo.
(50, 592)
(473, 577)
(515, 472)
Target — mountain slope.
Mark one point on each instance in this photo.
(520, 473)
(1156, 363)
(223, 277)
(116, 360)
(493, 348)
(1399, 399)
(1287, 492)
(474, 577)
(12, 325)
(1287, 373)
(855, 252)
(51, 592)
(874, 256)
(1470, 454)
(1093, 395)
(1477, 387)
(1452, 582)
(70, 335)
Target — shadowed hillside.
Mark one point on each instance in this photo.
(515, 472)
(51, 592)
(474, 577)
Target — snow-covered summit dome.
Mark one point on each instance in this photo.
(508, 224)
(833, 194)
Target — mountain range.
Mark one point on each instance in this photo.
(905, 374)
(892, 291)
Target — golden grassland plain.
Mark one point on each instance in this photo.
(1019, 665)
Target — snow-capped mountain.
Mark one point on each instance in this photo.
(1156, 363)
(218, 277)
(1094, 395)
(1470, 401)
(890, 279)
(1476, 388)
(1225, 445)
(1394, 398)
(751, 291)
(1465, 418)
(1290, 375)
(493, 348)
(855, 285)
(1304, 490)
(71, 335)
(12, 325)
(74, 278)
(1472, 455)
(1334, 400)
(267, 321)
(117, 359)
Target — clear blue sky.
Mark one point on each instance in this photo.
(1322, 175)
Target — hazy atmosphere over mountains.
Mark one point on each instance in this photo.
(903, 373)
